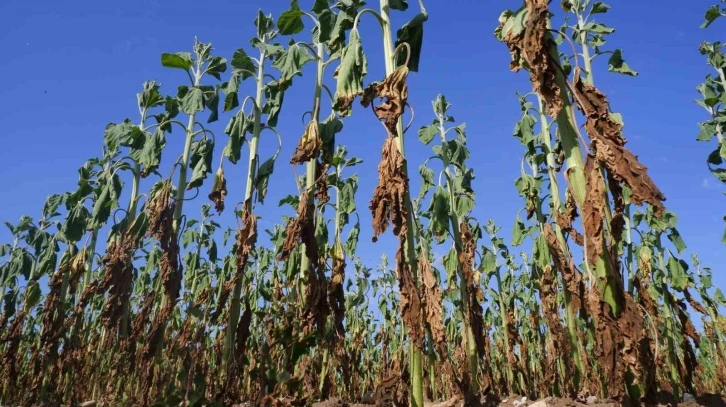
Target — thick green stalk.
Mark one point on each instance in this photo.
(310, 165)
(182, 182)
(416, 363)
(470, 343)
(505, 332)
(570, 315)
(667, 304)
(234, 309)
(131, 216)
(89, 262)
(605, 279)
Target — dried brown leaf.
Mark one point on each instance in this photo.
(301, 229)
(308, 148)
(389, 198)
(609, 146)
(219, 190)
(533, 46)
(411, 311)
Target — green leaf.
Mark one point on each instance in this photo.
(439, 210)
(427, 133)
(265, 25)
(32, 296)
(401, 5)
(411, 33)
(21, 263)
(47, 264)
(290, 62)
(76, 222)
(50, 207)
(352, 242)
(290, 22)
(599, 8)
(524, 129)
(679, 278)
(616, 64)
(489, 262)
(427, 179)
(706, 131)
(242, 64)
(149, 155)
(107, 199)
(124, 134)
(200, 162)
(320, 6)
(216, 66)
(711, 15)
(347, 198)
(519, 232)
(263, 178)
(451, 265)
(353, 68)
(599, 28)
(677, 241)
(461, 132)
(236, 129)
(327, 130)
(211, 101)
(324, 33)
(180, 60)
(193, 101)
(275, 95)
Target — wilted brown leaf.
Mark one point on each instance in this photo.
(219, 190)
(395, 92)
(301, 229)
(609, 146)
(593, 211)
(308, 148)
(431, 298)
(389, 197)
(411, 312)
(533, 46)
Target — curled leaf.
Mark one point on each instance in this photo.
(219, 190)
(308, 148)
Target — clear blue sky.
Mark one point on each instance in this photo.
(72, 67)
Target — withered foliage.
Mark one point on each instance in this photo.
(117, 280)
(609, 148)
(301, 229)
(243, 333)
(219, 190)
(465, 256)
(308, 148)
(694, 303)
(389, 198)
(11, 339)
(336, 294)
(317, 309)
(246, 237)
(395, 92)
(431, 298)
(530, 49)
(566, 266)
(637, 347)
(161, 226)
(558, 343)
(411, 311)
(593, 211)
(605, 347)
(565, 220)
(321, 183)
